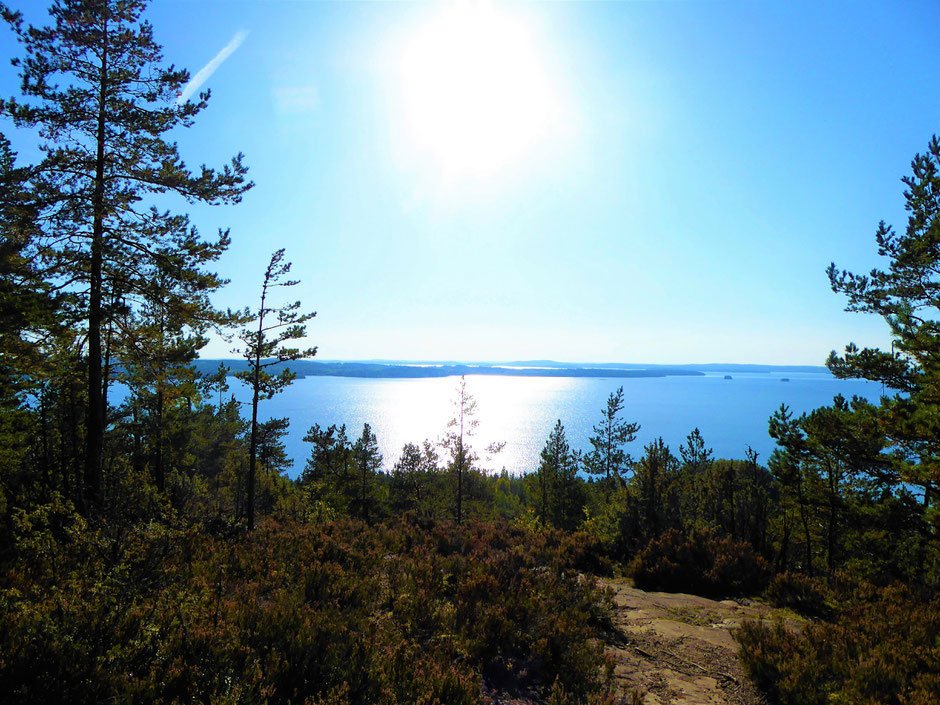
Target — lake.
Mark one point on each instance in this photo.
(731, 414)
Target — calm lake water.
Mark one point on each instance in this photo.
(731, 414)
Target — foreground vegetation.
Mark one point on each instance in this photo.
(345, 613)
(156, 551)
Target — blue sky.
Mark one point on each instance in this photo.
(636, 182)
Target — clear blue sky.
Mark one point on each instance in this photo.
(635, 182)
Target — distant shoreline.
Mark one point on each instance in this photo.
(531, 368)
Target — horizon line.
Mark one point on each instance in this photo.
(445, 361)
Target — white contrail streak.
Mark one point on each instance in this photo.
(195, 83)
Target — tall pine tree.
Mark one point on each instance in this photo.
(907, 295)
(264, 337)
(607, 457)
(102, 103)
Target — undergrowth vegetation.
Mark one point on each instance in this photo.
(883, 646)
(699, 563)
(342, 613)
(804, 595)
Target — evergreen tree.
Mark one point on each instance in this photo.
(695, 456)
(754, 502)
(368, 464)
(559, 503)
(607, 457)
(788, 466)
(31, 323)
(217, 382)
(907, 296)
(37, 361)
(459, 429)
(103, 102)
(654, 473)
(264, 337)
(163, 326)
(414, 479)
(407, 483)
(272, 453)
(328, 475)
(553, 457)
(570, 499)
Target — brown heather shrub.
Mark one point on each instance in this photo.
(800, 593)
(884, 649)
(344, 613)
(699, 563)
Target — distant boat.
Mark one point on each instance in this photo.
(727, 376)
(784, 379)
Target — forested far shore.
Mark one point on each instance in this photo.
(310, 368)
(531, 368)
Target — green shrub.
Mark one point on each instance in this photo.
(339, 613)
(884, 648)
(800, 593)
(699, 563)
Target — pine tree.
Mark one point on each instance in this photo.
(907, 295)
(695, 456)
(414, 478)
(162, 326)
(608, 457)
(103, 102)
(459, 429)
(368, 464)
(328, 475)
(555, 463)
(31, 314)
(790, 469)
(264, 337)
(216, 382)
(654, 471)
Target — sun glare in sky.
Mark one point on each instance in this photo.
(476, 91)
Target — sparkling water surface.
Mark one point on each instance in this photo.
(521, 411)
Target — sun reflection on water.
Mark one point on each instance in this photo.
(521, 411)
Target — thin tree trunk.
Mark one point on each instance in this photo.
(94, 488)
(161, 373)
(784, 547)
(460, 464)
(926, 537)
(158, 452)
(256, 384)
(805, 521)
(833, 517)
(734, 532)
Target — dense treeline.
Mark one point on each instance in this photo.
(859, 487)
(156, 550)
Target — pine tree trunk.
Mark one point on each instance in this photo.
(833, 519)
(256, 386)
(805, 522)
(253, 445)
(158, 453)
(94, 441)
(460, 461)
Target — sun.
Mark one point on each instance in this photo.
(476, 93)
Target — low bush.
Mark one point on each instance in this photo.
(340, 613)
(800, 593)
(884, 648)
(699, 563)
